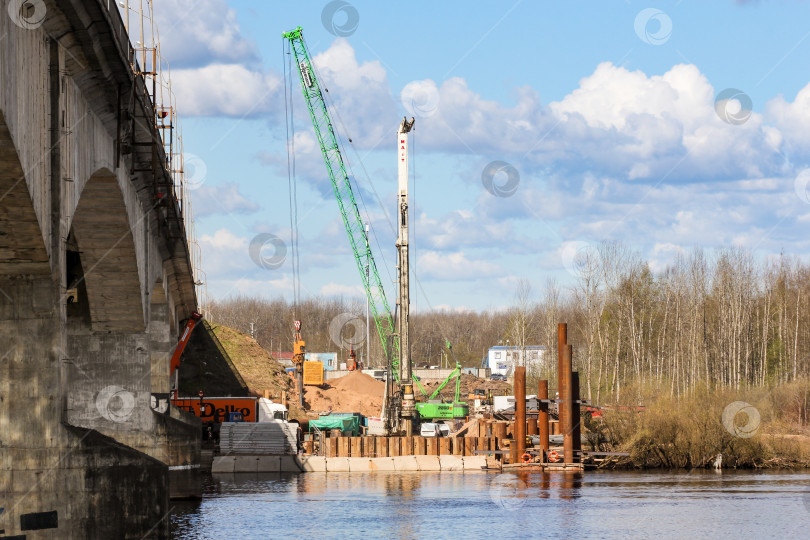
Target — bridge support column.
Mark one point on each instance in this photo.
(110, 390)
(67, 481)
(161, 343)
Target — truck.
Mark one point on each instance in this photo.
(217, 409)
(222, 409)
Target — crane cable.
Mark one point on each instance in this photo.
(291, 178)
(333, 107)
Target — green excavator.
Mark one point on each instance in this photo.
(434, 409)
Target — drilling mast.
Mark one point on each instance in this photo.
(403, 299)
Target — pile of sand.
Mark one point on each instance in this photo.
(356, 392)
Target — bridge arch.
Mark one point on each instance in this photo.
(22, 246)
(101, 229)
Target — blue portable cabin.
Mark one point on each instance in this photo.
(329, 359)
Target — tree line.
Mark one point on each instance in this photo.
(718, 318)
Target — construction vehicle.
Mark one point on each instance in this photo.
(181, 345)
(299, 351)
(478, 393)
(435, 409)
(218, 409)
(399, 402)
(352, 364)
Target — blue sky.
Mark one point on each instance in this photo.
(606, 111)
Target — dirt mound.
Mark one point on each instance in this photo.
(355, 392)
(359, 382)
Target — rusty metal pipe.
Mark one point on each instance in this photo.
(575, 415)
(520, 410)
(542, 418)
(562, 341)
(531, 426)
(566, 416)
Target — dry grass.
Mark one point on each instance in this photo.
(256, 366)
(689, 432)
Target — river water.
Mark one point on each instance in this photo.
(488, 506)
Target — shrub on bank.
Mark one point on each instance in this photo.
(750, 428)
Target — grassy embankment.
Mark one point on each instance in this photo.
(688, 432)
(257, 367)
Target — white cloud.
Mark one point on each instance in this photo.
(226, 198)
(263, 288)
(230, 270)
(447, 308)
(627, 156)
(792, 120)
(613, 97)
(225, 253)
(226, 90)
(194, 33)
(455, 266)
(663, 255)
(617, 122)
(215, 69)
(338, 289)
(465, 228)
(360, 99)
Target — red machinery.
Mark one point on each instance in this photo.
(352, 364)
(181, 345)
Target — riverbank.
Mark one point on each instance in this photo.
(753, 429)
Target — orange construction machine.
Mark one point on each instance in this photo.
(181, 345)
(299, 351)
(352, 363)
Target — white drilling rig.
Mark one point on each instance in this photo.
(408, 410)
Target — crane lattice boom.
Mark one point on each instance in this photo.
(325, 133)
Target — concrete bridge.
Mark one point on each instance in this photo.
(95, 281)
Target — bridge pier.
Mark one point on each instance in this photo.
(53, 474)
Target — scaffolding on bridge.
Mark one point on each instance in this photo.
(187, 170)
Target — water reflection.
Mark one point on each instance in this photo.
(519, 505)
